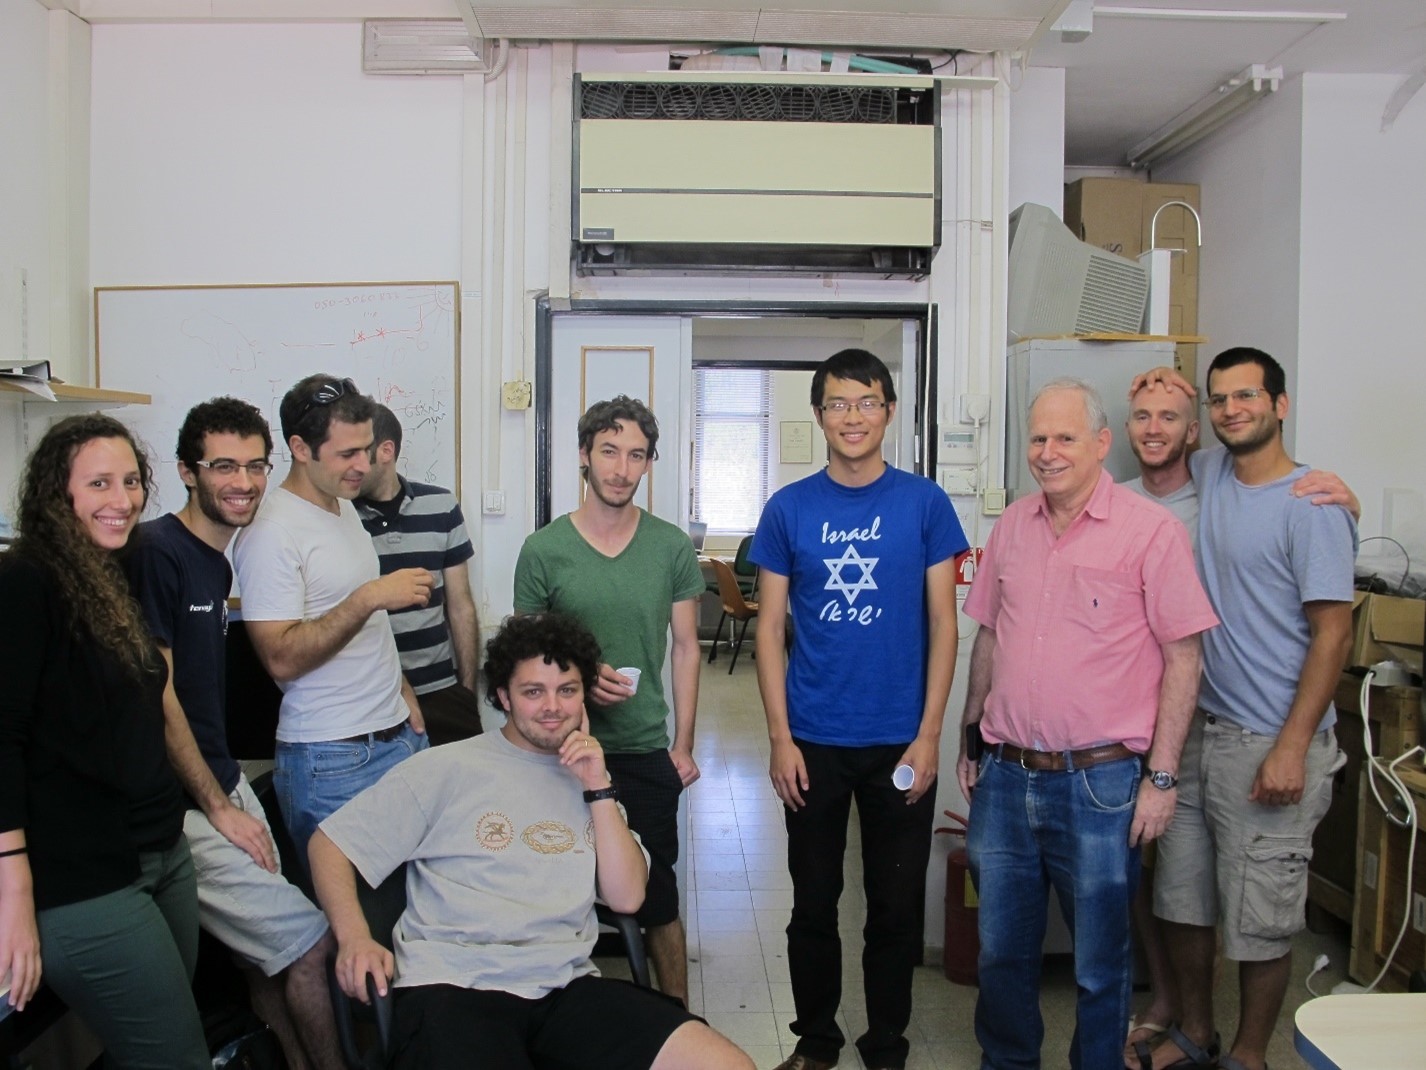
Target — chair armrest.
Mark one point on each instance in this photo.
(628, 928)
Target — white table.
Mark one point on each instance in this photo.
(1378, 1031)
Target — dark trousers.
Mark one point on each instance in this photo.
(451, 714)
(896, 844)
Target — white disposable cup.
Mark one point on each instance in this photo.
(633, 675)
(903, 777)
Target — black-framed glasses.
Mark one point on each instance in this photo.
(324, 395)
(865, 406)
(227, 469)
(1242, 397)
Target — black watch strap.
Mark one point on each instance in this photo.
(595, 794)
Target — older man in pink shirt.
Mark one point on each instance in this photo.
(1083, 680)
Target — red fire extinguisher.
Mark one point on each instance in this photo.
(962, 938)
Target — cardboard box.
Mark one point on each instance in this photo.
(1387, 628)
(1381, 901)
(1393, 713)
(1117, 214)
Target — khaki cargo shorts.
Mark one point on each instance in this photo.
(1225, 858)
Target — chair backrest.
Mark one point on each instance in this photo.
(729, 591)
(741, 565)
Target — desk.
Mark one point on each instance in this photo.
(1380, 1031)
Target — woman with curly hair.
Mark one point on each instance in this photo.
(96, 884)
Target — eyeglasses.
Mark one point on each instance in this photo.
(840, 406)
(1242, 397)
(324, 395)
(227, 469)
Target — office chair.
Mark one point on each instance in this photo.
(383, 906)
(734, 605)
(745, 570)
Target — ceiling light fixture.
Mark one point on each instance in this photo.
(1210, 113)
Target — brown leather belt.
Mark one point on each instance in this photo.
(1054, 760)
(386, 735)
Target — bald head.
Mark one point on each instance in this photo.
(1162, 424)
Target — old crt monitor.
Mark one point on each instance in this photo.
(1060, 285)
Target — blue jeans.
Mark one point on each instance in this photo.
(313, 780)
(1030, 831)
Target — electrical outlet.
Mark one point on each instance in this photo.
(958, 480)
(974, 408)
(1370, 863)
(1418, 913)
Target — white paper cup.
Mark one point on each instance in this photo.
(633, 675)
(902, 778)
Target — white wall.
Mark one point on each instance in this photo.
(1312, 224)
(1037, 139)
(24, 211)
(1251, 178)
(1361, 376)
(251, 153)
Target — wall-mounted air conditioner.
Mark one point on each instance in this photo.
(720, 171)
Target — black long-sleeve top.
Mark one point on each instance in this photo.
(83, 769)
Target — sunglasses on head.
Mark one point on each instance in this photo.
(324, 395)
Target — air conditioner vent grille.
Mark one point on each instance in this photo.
(748, 103)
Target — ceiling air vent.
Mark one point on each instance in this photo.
(420, 46)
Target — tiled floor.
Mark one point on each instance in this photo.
(738, 895)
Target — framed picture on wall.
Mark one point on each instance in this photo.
(795, 442)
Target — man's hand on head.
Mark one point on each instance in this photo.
(1165, 377)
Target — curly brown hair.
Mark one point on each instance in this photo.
(90, 582)
(558, 639)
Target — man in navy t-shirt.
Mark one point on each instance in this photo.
(181, 579)
(862, 556)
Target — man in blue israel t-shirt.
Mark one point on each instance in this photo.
(862, 555)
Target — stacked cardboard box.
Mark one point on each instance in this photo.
(1115, 214)
(1393, 712)
(1382, 902)
(1387, 628)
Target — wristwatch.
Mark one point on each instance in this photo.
(595, 794)
(1161, 779)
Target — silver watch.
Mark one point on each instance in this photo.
(1161, 779)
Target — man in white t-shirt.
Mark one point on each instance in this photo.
(315, 605)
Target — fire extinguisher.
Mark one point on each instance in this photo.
(962, 937)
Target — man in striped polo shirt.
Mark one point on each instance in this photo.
(417, 525)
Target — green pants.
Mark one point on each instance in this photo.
(124, 963)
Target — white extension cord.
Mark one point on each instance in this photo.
(1387, 771)
(1377, 766)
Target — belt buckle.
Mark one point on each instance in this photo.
(1022, 761)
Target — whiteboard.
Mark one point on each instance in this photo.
(186, 344)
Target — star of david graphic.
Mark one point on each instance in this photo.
(837, 582)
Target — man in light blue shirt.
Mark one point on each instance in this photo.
(1257, 768)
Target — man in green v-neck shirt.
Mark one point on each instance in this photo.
(630, 577)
